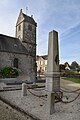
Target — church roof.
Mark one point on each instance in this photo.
(29, 19)
(11, 44)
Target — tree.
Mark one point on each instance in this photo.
(74, 65)
(78, 69)
(61, 67)
(66, 63)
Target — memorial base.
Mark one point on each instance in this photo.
(53, 81)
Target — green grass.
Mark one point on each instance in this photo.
(76, 80)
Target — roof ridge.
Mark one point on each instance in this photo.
(8, 36)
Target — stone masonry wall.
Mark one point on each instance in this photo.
(25, 63)
(30, 38)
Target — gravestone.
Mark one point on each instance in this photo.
(52, 74)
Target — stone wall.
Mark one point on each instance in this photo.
(29, 38)
(25, 63)
(19, 33)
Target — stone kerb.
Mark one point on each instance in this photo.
(8, 79)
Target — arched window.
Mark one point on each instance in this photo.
(15, 63)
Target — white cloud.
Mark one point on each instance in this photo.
(60, 15)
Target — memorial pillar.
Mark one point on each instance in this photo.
(52, 74)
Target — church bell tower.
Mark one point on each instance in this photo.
(26, 33)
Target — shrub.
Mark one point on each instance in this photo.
(9, 72)
(70, 74)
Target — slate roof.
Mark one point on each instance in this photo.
(29, 19)
(45, 57)
(11, 44)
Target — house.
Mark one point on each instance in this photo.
(41, 63)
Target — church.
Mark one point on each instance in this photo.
(20, 51)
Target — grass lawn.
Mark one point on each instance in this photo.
(76, 80)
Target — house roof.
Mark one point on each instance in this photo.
(11, 44)
(45, 57)
(29, 19)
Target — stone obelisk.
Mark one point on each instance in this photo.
(52, 74)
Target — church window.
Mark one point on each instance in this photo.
(30, 27)
(15, 62)
(19, 28)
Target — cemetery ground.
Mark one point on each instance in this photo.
(36, 107)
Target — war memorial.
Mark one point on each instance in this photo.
(40, 101)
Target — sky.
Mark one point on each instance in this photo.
(60, 15)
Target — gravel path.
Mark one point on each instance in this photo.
(37, 106)
(8, 113)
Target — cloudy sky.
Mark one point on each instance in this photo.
(60, 15)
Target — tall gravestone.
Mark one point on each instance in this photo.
(52, 74)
